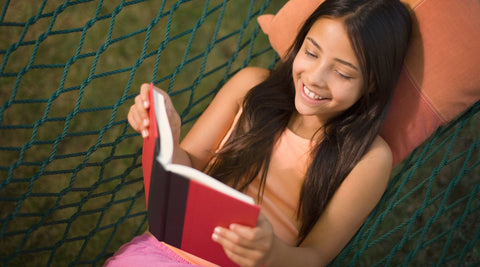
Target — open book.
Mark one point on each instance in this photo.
(184, 205)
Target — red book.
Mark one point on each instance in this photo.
(184, 205)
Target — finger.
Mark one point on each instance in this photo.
(144, 94)
(137, 123)
(241, 260)
(257, 239)
(248, 233)
(246, 239)
(262, 230)
(132, 119)
(141, 113)
(237, 253)
(135, 119)
(234, 237)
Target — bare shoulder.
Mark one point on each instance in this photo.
(252, 75)
(377, 163)
(244, 80)
(380, 148)
(380, 152)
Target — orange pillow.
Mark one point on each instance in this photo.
(441, 74)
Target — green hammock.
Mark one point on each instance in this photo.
(71, 187)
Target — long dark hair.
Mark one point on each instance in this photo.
(379, 32)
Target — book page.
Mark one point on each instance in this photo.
(164, 130)
(166, 154)
(209, 181)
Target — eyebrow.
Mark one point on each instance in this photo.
(336, 59)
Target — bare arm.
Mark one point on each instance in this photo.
(205, 136)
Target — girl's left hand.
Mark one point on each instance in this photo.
(245, 245)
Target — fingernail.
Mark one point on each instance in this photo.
(145, 122)
(145, 104)
(216, 230)
(144, 133)
(214, 237)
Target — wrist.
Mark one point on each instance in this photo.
(274, 255)
(180, 156)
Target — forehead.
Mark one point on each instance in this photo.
(330, 34)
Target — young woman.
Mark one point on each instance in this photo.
(303, 138)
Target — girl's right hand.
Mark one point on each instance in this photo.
(138, 114)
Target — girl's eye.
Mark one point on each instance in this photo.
(310, 54)
(343, 76)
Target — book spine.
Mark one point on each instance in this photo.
(158, 200)
(177, 203)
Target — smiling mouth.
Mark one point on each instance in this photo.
(311, 94)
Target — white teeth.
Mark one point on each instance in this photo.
(311, 94)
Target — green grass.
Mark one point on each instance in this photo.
(71, 187)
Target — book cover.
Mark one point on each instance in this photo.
(184, 205)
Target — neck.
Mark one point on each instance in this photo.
(304, 126)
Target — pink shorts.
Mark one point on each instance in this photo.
(147, 251)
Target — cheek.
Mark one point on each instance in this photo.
(358, 91)
(348, 94)
(298, 66)
(351, 98)
(295, 69)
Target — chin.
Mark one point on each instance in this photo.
(304, 110)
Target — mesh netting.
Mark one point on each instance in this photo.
(429, 214)
(71, 189)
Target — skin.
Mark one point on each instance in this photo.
(327, 66)
(323, 63)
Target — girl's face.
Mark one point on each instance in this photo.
(326, 73)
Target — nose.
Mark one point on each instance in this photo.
(317, 74)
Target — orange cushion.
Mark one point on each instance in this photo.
(441, 74)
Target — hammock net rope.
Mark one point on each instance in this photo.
(71, 186)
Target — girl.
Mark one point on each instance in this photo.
(303, 138)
